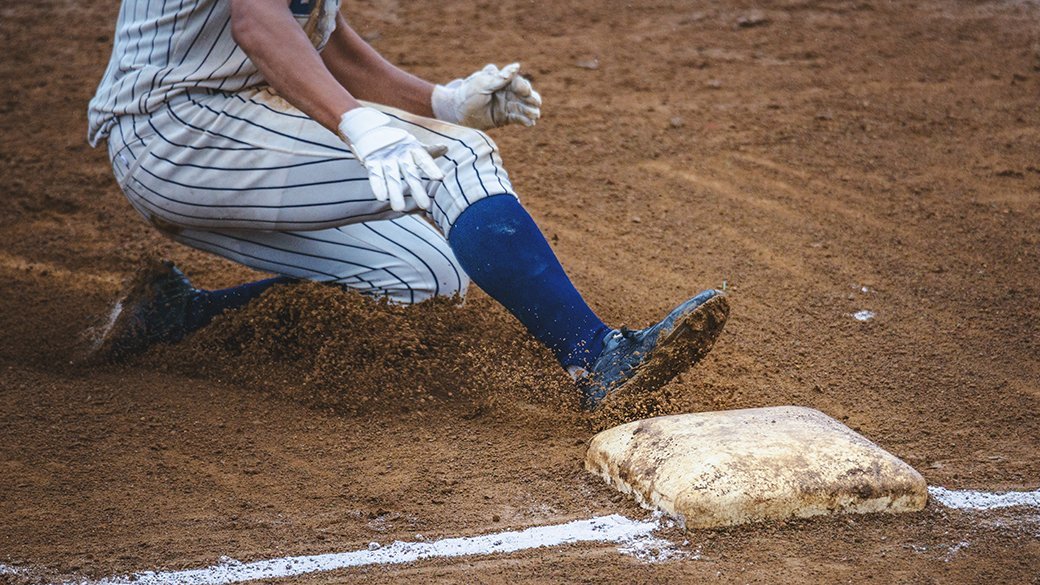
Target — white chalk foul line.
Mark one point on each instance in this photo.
(635, 537)
(613, 528)
(974, 500)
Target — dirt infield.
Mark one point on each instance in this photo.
(816, 158)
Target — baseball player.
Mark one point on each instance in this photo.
(268, 132)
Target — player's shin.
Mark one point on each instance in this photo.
(502, 250)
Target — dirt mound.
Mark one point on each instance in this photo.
(335, 348)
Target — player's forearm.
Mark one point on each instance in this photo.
(368, 76)
(275, 43)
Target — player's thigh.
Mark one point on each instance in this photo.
(405, 259)
(250, 160)
(240, 161)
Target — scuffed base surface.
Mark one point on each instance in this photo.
(733, 467)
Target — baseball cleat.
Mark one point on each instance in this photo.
(644, 360)
(154, 310)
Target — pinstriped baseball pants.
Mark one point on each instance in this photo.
(249, 177)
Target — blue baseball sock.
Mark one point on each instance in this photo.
(501, 248)
(207, 304)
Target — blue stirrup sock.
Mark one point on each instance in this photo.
(501, 248)
(207, 304)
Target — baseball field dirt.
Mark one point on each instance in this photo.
(819, 160)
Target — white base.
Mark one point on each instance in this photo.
(732, 467)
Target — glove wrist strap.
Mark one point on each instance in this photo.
(360, 129)
(443, 103)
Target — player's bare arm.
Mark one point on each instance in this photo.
(397, 163)
(486, 99)
(280, 49)
(370, 77)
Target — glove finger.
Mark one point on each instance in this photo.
(509, 71)
(415, 185)
(523, 110)
(493, 79)
(535, 98)
(534, 114)
(521, 119)
(392, 174)
(405, 167)
(377, 181)
(409, 175)
(425, 163)
(521, 86)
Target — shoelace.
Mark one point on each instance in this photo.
(629, 334)
(621, 335)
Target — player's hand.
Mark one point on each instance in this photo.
(394, 158)
(490, 97)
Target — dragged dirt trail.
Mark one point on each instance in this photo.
(816, 159)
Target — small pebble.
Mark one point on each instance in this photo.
(590, 64)
(863, 315)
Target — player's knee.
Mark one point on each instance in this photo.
(473, 171)
(471, 143)
(483, 136)
(474, 160)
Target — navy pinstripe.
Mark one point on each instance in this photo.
(343, 150)
(245, 170)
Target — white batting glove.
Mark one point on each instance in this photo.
(489, 98)
(394, 158)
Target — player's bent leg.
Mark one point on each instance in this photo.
(249, 160)
(405, 259)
